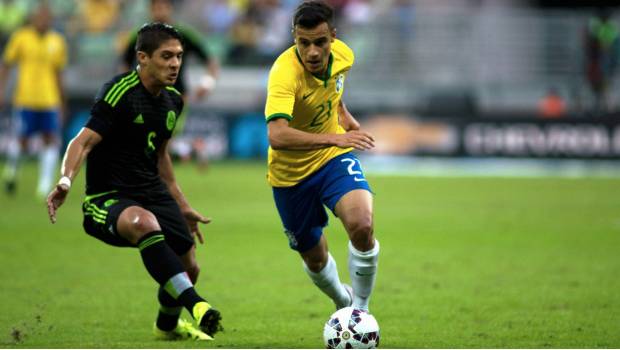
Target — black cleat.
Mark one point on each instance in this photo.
(10, 187)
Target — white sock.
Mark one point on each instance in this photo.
(48, 160)
(363, 270)
(328, 281)
(10, 168)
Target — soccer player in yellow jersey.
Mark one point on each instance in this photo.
(312, 134)
(40, 55)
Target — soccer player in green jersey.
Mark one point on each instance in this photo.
(132, 197)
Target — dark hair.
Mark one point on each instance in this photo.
(310, 14)
(152, 35)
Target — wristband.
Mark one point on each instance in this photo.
(65, 180)
(207, 81)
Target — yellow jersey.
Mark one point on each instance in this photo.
(38, 57)
(310, 104)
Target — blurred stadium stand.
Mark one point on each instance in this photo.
(493, 55)
(423, 58)
(499, 56)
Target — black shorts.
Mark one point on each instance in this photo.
(101, 213)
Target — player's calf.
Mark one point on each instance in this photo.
(363, 271)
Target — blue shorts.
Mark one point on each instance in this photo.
(301, 207)
(34, 121)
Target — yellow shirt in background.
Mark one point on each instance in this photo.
(310, 103)
(38, 59)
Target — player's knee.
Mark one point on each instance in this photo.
(144, 222)
(193, 271)
(137, 223)
(361, 233)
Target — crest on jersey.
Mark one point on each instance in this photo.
(171, 120)
(339, 82)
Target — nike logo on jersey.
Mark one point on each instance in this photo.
(305, 96)
(139, 119)
(363, 274)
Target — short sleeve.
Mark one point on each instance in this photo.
(101, 118)
(102, 114)
(11, 51)
(281, 91)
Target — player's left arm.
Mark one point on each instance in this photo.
(10, 56)
(193, 44)
(4, 74)
(346, 119)
(166, 172)
(207, 82)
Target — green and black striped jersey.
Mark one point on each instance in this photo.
(133, 124)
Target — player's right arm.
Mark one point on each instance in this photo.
(72, 161)
(101, 122)
(284, 137)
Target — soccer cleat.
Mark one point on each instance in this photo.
(10, 187)
(183, 330)
(207, 318)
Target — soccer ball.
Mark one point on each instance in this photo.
(350, 328)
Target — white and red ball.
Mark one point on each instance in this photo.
(350, 328)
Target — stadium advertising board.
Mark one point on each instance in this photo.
(524, 138)
(542, 139)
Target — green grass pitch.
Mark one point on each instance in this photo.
(465, 263)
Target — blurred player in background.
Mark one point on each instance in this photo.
(40, 55)
(162, 11)
(602, 53)
(312, 134)
(132, 197)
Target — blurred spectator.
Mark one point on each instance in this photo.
(40, 56)
(260, 34)
(12, 15)
(162, 11)
(552, 105)
(404, 11)
(338, 6)
(602, 49)
(97, 16)
(219, 15)
(358, 12)
(239, 5)
(276, 29)
(244, 38)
